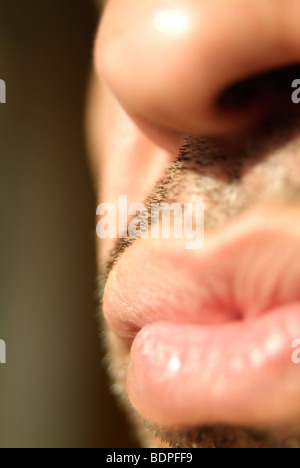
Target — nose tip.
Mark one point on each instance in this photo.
(197, 66)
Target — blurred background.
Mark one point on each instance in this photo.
(53, 390)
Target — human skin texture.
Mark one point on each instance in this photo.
(191, 101)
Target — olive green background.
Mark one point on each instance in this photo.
(53, 391)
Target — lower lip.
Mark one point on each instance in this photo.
(238, 373)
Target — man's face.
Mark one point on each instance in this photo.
(192, 103)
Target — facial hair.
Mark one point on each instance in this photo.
(229, 176)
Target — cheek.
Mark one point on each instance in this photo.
(124, 161)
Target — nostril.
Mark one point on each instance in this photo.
(265, 91)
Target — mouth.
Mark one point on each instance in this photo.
(210, 332)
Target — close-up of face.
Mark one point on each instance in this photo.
(196, 102)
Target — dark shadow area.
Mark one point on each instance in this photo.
(53, 391)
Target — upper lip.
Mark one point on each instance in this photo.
(245, 268)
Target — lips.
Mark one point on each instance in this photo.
(211, 331)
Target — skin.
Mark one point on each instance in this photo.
(214, 76)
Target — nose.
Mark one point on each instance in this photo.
(199, 66)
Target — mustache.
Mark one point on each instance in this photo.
(212, 171)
